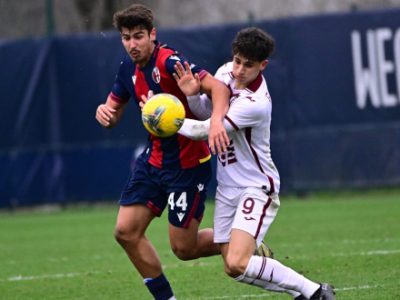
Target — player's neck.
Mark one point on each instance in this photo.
(240, 85)
(144, 62)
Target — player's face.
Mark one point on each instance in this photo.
(246, 71)
(139, 43)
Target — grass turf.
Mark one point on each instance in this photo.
(348, 239)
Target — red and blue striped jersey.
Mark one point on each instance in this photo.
(177, 151)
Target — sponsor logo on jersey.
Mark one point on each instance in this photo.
(229, 156)
(200, 187)
(251, 99)
(155, 74)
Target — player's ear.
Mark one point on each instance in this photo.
(264, 64)
(153, 34)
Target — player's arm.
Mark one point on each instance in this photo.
(218, 139)
(200, 105)
(199, 130)
(190, 85)
(109, 113)
(244, 113)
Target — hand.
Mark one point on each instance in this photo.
(218, 139)
(187, 82)
(145, 99)
(105, 115)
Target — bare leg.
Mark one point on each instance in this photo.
(190, 243)
(132, 223)
(237, 255)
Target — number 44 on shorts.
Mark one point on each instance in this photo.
(181, 202)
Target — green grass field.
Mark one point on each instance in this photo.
(351, 240)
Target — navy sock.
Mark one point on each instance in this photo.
(159, 287)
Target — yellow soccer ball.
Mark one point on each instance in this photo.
(163, 115)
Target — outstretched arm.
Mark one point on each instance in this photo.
(199, 130)
(194, 129)
(190, 85)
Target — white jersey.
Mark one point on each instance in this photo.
(248, 181)
(247, 161)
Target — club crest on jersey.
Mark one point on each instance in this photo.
(155, 74)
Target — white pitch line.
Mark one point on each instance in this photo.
(369, 253)
(318, 243)
(271, 294)
(236, 297)
(183, 265)
(345, 241)
(48, 276)
(247, 296)
(360, 287)
(206, 264)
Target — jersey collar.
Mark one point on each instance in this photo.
(255, 84)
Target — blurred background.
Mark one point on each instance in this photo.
(334, 81)
(27, 18)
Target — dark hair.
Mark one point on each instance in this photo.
(253, 43)
(134, 16)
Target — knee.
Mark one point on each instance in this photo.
(235, 265)
(183, 252)
(124, 236)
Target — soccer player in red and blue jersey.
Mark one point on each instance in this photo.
(172, 171)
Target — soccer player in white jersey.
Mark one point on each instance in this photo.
(247, 197)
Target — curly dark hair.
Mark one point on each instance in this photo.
(134, 16)
(253, 43)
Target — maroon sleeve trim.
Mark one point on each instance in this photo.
(202, 74)
(116, 98)
(232, 123)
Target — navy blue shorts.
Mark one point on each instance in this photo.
(185, 191)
